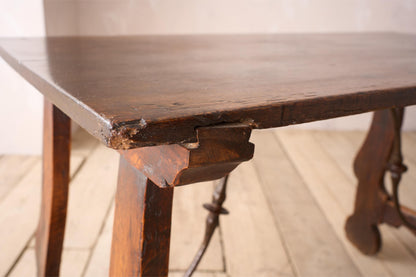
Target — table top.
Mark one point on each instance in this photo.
(133, 91)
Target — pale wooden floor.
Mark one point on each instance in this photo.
(288, 206)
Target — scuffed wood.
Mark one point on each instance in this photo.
(135, 91)
(218, 151)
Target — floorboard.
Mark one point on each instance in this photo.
(12, 169)
(19, 212)
(252, 242)
(287, 212)
(312, 244)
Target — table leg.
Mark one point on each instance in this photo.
(51, 227)
(381, 152)
(147, 176)
(141, 232)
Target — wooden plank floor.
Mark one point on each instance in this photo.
(288, 206)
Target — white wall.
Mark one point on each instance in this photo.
(20, 104)
(112, 17)
(228, 16)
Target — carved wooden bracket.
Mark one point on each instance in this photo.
(217, 152)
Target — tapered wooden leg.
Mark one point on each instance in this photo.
(141, 232)
(51, 228)
(370, 166)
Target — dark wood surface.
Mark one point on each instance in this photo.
(145, 90)
(218, 151)
(51, 227)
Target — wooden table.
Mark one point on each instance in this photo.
(195, 100)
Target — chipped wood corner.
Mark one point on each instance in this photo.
(122, 137)
(218, 150)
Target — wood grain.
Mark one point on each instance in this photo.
(331, 190)
(370, 166)
(334, 192)
(218, 151)
(56, 153)
(283, 189)
(145, 90)
(91, 193)
(312, 245)
(19, 213)
(397, 255)
(73, 262)
(142, 221)
(186, 231)
(252, 243)
(98, 264)
(9, 176)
